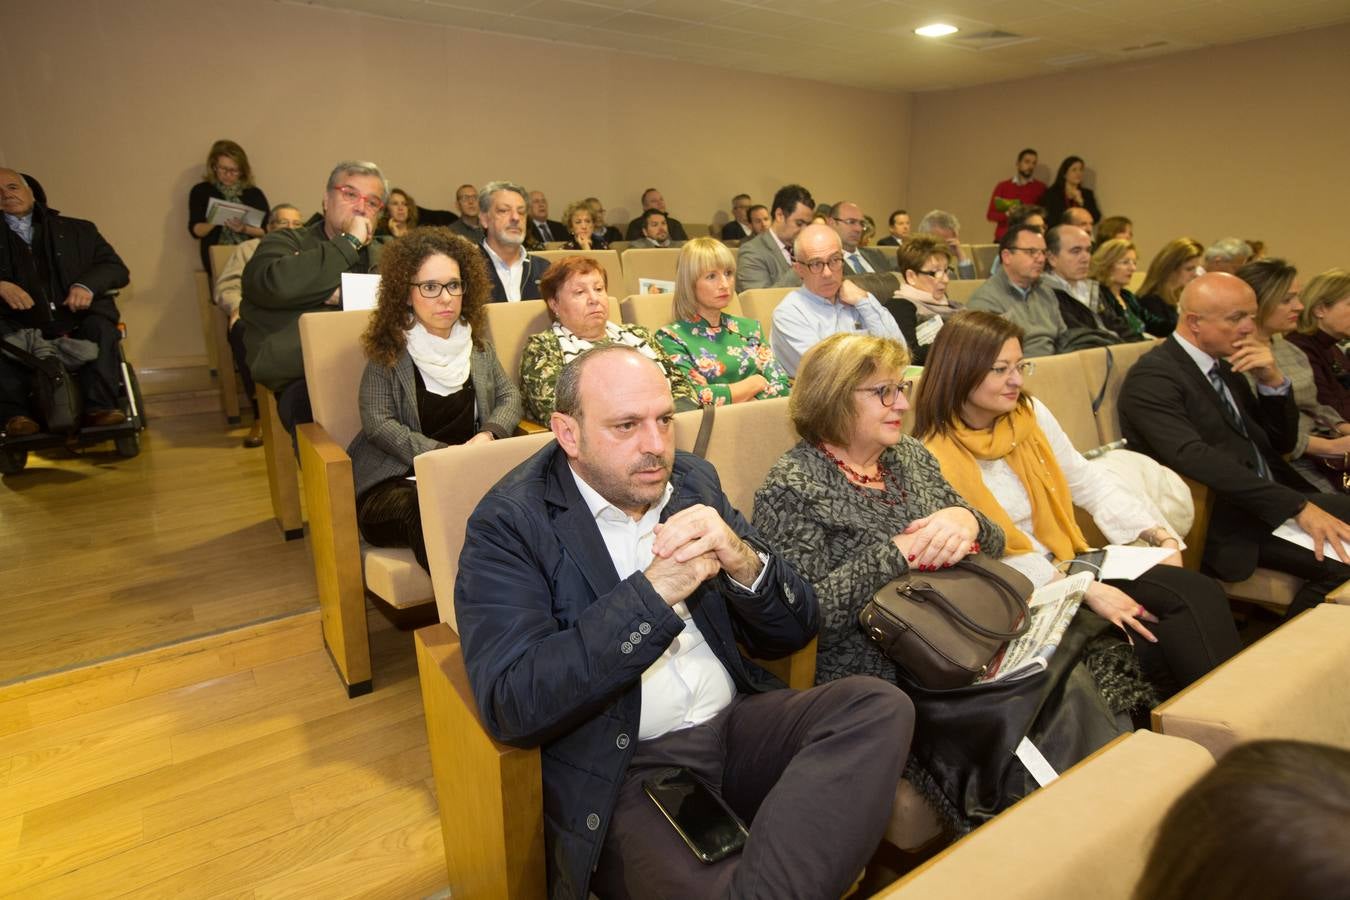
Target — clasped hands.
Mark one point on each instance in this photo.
(939, 540)
(77, 298)
(692, 546)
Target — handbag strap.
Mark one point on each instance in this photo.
(1101, 394)
(937, 598)
(705, 427)
(49, 366)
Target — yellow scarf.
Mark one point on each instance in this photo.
(1017, 439)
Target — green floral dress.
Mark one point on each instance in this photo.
(548, 351)
(715, 356)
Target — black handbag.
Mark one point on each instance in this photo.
(944, 627)
(56, 396)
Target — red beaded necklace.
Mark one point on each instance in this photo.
(857, 480)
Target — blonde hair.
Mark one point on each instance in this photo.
(1326, 289)
(697, 257)
(821, 403)
(1171, 257)
(1107, 255)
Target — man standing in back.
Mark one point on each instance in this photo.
(1023, 189)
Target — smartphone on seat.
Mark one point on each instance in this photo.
(703, 820)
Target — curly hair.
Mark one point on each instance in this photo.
(384, 338)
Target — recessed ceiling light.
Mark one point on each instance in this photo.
(937, 29)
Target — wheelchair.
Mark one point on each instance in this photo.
(126, 436)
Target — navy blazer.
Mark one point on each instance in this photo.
(530, 273)
(556, 644)
(1170, 411)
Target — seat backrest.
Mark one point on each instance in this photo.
(510, 326)
(652, 311)
(983, 255)
(1059, 383)
(1137, 279)
(1094, 364)
(759, 303)
(450, 482)
(334, 364)
(959, 291)
(607, 258)
(699, 229)
(648, 262)
(1040, 849)
(220, 255)
(890, 250)
(747, 439)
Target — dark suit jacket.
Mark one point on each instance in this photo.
(676, 229)
(888, 241)
(557, 231)
(732, 231)
(1055, 206)
(441, 217)
(1170, 411)
(533, 270)
(556, 644)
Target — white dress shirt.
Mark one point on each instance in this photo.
(511, 275)
(688, 684)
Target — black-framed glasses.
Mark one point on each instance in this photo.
(886, 392)
(1026, 367)
(431, 290)
(935, 273)
(835, 263)
(352, 195)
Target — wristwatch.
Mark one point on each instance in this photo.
(355, 241)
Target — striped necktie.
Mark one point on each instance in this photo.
(1235, 419)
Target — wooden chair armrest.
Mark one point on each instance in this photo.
(490, 795)
(797, 670)
(1203, 498)
(528, 427)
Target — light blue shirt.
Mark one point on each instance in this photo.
(22, 226)
(804, 319)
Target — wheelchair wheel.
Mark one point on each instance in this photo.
(133, 398)
(128, 446)
(12, 461)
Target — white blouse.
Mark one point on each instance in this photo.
(1118, 512)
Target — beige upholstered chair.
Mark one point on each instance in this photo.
(283, 474)
(960, 291)
(647, 262)
(983, 255)
(607, 258)
(345, 570)
(759, 303)
(221, 355)
(652, 311)
(1290, 684)
(1087, 834)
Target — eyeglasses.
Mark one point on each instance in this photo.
(1026, 367)
(431, 290)
(817, 266)
(352, 195)
(936, 273)
(227, 170)
(886, 392)
(851, 223)
(1033, 252)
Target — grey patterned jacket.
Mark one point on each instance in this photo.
(391, 430)
(841, 542)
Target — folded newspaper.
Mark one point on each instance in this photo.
(1052, 608)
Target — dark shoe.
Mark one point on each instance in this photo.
(254, 436)
(99, 418)
(19, 426)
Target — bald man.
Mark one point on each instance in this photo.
(57, 276)
(825, 303)
(1187, 403)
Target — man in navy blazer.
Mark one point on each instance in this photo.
(604, 587)
(1232, 441)
(515, 273)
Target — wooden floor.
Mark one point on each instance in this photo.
(231, 766)
(103, 556)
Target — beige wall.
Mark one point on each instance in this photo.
(113, 107)
(1251, 140)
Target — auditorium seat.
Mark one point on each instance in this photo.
(221, 356)
(648, 262)
(346, 569)
(283, 474)
(959, 291)
(1085, 835)
(759, 304)
(1290, 684)
(983, 255)
(652, 311)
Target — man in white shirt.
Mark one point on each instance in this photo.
(825, 304)
(515, 273)
(603, 589)
(846, 218)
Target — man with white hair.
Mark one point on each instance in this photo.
(1227, 255)
(299, 270)
(947, 228)
(515, 272)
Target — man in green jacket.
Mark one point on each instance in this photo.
(296, 271)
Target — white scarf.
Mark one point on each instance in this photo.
(443, 362)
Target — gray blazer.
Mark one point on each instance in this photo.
(760, 264)
(879, 260)
(391, 430)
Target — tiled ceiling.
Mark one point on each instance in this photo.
(870, 43)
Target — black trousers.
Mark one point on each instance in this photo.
(387, 515)
(99, 379)
(812, 772)
(1319, 577)
(1195, 627)
(241, 364)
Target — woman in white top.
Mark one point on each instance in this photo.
(1006, 454)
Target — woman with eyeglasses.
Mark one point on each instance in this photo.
(921, 305)
(228, 177)
(857, 504)
(1005, 453)
(432, 379)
